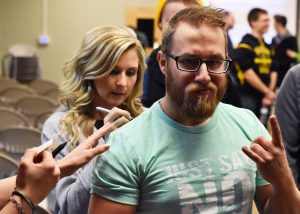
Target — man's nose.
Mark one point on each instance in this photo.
(202, 75)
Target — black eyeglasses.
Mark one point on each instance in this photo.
(192, 64)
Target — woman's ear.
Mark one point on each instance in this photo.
(161, 58)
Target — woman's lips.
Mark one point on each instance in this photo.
(118, 93)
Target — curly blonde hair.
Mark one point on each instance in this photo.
(97, 56)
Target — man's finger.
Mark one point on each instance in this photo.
(253, 156)
(260, 151)
(265, 144)
(276, 132)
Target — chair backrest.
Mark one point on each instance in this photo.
(42, 86)
(32, 106)
(8, 166)
(10, 117)
(3, 103)
(15, 140)
(6, 83)
(13, 93)
(53, 94)
(41, 119)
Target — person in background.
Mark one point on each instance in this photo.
(154, 86)
(39, 173)
(281, 43)
(141, 36)
(294, 55)
(232, 95)
(287, 110)
(107, 71)
(230, 21)
(253, 62)
(190, 153)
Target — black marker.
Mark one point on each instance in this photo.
(59, 148)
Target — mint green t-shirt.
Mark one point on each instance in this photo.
(165, 167)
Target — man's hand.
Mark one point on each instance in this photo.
(283, 196)
(269, 98)
(290, 53)
(270, 156)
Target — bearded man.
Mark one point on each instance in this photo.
(189, 153)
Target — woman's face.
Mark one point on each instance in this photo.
(113, 89)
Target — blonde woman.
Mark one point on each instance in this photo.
(106, 71)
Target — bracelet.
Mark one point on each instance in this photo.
(19, 206)
(28, 201)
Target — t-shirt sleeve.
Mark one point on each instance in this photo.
(116, 175)
(259, 180)
(245, 57)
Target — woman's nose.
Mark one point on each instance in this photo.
(121, 81)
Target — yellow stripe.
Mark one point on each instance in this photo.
(243, 45)
(262, 61)
(240, 74)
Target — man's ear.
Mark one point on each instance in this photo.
(162, 61)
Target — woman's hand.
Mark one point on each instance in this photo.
(87, 150)
(84, 152)
(37, 175)
(117, 117)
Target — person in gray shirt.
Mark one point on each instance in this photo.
(287, 111)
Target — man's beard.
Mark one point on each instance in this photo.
(191, 103)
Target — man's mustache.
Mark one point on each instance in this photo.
(198, 87)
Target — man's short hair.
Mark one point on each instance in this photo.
(194, 16)
(254, 14)
(281, 20)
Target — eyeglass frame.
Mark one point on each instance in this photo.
(168, 54)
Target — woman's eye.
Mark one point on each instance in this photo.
(114, 72)
(131, 72)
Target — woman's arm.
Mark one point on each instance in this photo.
(37, 175)
(7, 185)
(36, 178)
